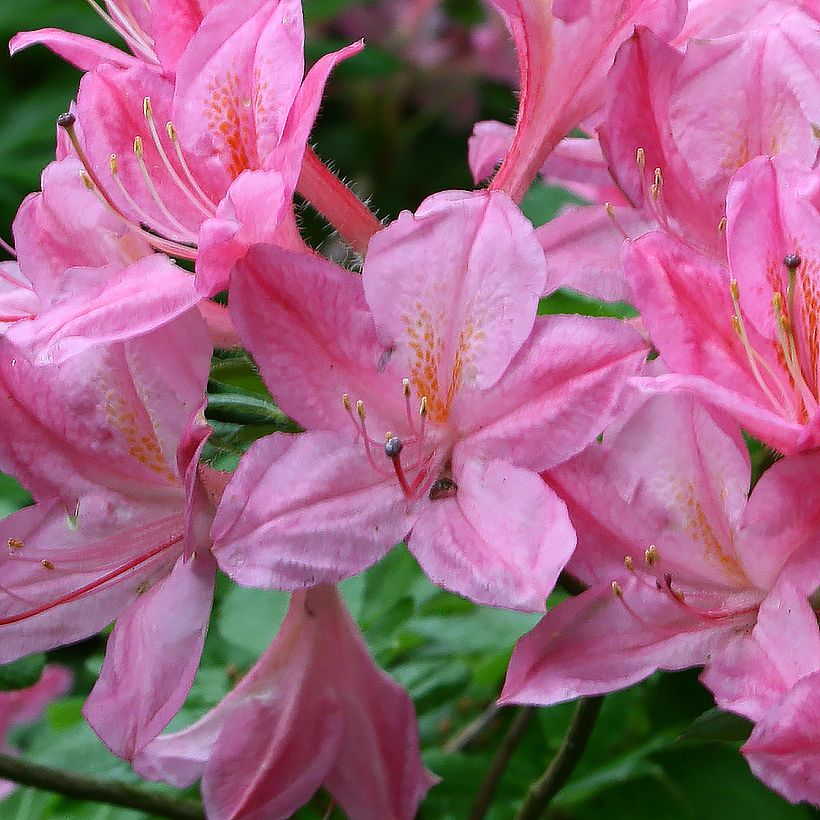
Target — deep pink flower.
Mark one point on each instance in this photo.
(170, 154)
(744, 338)
(678, 562)
(108, 444)
(773, 678)
(433, 396)
(328, 716)
(565, 49)
(26, 705)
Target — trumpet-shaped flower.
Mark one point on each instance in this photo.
(433, 396)
(744, 338)
(565, 50)
(331, 717)
(108, 444)
(678, 562)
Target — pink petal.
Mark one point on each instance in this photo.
(758, 669)
(311, 351)
(501, 541)
(782, 519)
(458, 322)
(568, 379)
(17, 297)
(332, 718)
(255, 210)
(583, 249)
(287, 155)
(784, 748)
(675, 475)
(69, 579)
(50, 238)
(563, 64)
(306, 509)
(108, 304)
(83, 52)
(174, 24)
(590, 644)
(242, 52)
(152, 657)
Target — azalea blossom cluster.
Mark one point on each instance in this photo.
(434, 404)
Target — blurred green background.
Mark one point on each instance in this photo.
(400, 133)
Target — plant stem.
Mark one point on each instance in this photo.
(337, 203)
(563, 764)
(502, 758)
(474, 729)
(83, 787)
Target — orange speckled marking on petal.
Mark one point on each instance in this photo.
(700, 530)
(227, 113)
(807, 275)
(144, 449)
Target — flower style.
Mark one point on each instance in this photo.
(677, 560)
(331, 718)
(565, 49)
(773, 678)
(437, 346)
(744, 338)
(25, 705)
(108, 444)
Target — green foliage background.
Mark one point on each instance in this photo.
(450, 654)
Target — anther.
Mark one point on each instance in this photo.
(667, 579)
(657, 184)
(629, 563)
(66, 120)
(87, 181)
(405, 387)
(46, 564)
(652, 556)
(139, 149)
(423, 406)
(360, 410)
(113, 164)
(640, 158)
(146, 108)
(15, 543)
(393, 447)
(722, 225)
(616, 590)
(171, 130)
(346, 402)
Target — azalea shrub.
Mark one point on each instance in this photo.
(411, 408)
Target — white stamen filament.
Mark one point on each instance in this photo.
(173, 136)
(134, 42)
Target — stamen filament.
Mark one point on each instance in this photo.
(171, 130)
(610, 212)
(134, 42)
(96, 584)
(152, 126)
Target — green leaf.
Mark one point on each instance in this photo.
(250, 618)
(22, 673)
(244, 408)
(717, 725)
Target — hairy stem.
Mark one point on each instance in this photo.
(563, 764)
(499, 765)
(337, 203)
(82, 787)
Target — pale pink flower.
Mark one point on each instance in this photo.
(677, 560)
(433, 397)
(108, 444)
(744, 337)
(26, 705)
(314, 711)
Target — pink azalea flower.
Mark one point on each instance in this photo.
(773, 678)
(156, 33)
(26, 705)
(108, 444)
(565, 49)
(221, 141)
(331, 718)
(437, 352)
(745, 337)
(677, 560)
(663, 102)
